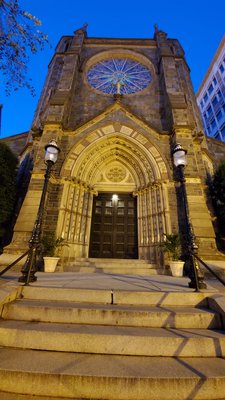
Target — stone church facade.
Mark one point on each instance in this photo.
(116, 108)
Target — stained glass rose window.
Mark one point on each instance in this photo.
(119, 75)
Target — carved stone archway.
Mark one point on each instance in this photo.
(114, 161)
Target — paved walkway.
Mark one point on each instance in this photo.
(112, 282)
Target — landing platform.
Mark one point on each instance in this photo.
(102, 281)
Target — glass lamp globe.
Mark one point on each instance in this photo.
(51, 151)
(179, 155)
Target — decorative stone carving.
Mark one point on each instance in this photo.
(116, 174)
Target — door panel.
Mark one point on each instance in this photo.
(114, 227)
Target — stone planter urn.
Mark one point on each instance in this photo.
(50, 263)
(177, 267)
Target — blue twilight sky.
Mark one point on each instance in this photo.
(198, 25)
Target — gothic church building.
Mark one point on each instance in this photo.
(116, 108)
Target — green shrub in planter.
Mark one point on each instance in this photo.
(50, 244)
(172, 246)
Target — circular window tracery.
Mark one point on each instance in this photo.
(116, 174)
(119, 75)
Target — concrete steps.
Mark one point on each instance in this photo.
(111, 265)
(107, 314)
(117, 297)
(111, 377)
(100, 339)
(115, 345)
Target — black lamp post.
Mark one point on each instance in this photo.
(190, 247)
(29, 269)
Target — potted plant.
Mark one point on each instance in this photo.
(172, 246)
(49, 246)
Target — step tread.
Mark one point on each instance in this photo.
(112, 307)
(120, 296)
(109, 365)
(106, 330)
(107, 314)
(101, 339)
(36, 306)
(113, 269)
(111, 376)
(115, 260)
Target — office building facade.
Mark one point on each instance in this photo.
(211, 96)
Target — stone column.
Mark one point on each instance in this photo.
(75, 219)
(151, 222)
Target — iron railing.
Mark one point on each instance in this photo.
(13, 263)
(221, 280)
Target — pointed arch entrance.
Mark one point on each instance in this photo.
(114, 226)
(124, 163)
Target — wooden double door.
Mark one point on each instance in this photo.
(114, 226)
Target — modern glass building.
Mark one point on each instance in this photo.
(211, 96)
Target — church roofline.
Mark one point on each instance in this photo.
(116, 38)
(12, 137)
(98, 40)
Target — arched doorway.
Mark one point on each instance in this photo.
(109, 162)
(114, 226)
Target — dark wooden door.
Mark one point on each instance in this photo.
(114, 227)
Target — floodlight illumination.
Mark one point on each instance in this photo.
(114, 197)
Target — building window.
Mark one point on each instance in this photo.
(210, 89)
(219, 94)
(209, 111)
(205, 97)
(222, 130)
(213, 124)
(219, 116)
(119, 75)
(221, 68)
(214, 80)
(215, 101)
(201, 104)
(217, 136)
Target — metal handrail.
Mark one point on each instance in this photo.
(13, 263)
(221, 280)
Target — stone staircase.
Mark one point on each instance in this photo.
(112, 266)
(58, 343)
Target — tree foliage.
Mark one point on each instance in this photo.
(8, 175)
(218, 196)
(20, 36)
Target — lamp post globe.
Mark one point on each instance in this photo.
(51, 151)
(179, 156)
